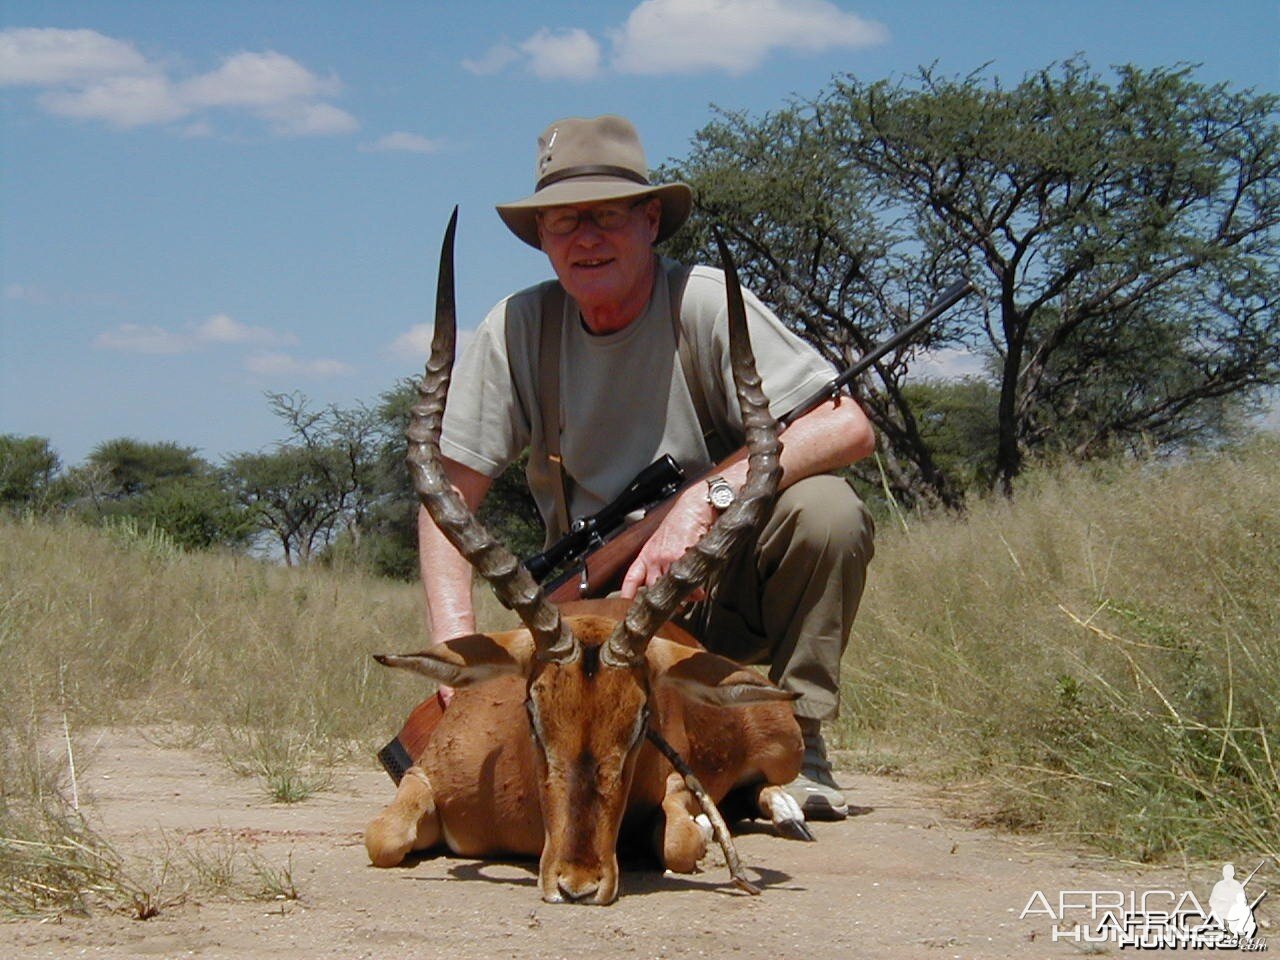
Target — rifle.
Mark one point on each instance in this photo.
(599, 549)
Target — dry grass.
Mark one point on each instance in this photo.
(116, 629)
(1099, 659)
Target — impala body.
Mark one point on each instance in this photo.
(543, 750)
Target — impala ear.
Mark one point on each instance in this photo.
(463, 661)
(708, 678)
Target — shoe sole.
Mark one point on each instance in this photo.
(816, 808)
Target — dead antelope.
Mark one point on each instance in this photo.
(543, 750)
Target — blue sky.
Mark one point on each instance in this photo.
(202, 202)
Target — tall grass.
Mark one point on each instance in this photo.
(1099, 658)
(115, 628)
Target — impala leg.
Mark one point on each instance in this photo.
(409, 822)
(686, 830)
(780, 808)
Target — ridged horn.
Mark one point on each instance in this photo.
(655, 605)
(514, 586)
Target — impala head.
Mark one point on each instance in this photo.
(590, 679)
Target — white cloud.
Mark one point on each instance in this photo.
(415, 344)
(221, 328)
(218, 329)
(27, 293)
(402, 141)
(283, 364)
(89, 76)
(38, 296)
(950, 363)
(120, 101)
(46, 57)
(198, 129)
(136, 338)
(298, 119)
(498, 58)
(257, 80)
(688, 36)
(562, 55)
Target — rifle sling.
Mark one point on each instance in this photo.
(549, 340)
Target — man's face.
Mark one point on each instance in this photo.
(607, 270)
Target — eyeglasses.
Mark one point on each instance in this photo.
(562, 221)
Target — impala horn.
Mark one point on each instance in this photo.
(655, 605)
(514, 586)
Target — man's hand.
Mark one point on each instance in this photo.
(688, 519)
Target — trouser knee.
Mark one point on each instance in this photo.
(821, 518)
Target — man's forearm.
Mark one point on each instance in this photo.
(446, 581)
(828, 437)
(446, 574)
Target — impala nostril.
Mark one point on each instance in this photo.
(576, 892)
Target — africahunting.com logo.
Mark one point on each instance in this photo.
(1156, 919)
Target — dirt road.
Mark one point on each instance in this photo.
(899, 880)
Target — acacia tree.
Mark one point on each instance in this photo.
(390, 542)
(288, 497)
(1122, 234)
(160, 484)
(136, 466)
(319, 483)
(28, 468)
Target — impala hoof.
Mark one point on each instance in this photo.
(787, 816)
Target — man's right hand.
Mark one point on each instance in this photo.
(688, 519)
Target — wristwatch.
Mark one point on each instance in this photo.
(719, 493)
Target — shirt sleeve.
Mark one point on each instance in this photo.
(485, 424)
(790, 369)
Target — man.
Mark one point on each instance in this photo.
(608, 338)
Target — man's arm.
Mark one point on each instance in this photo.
(446, 574)
(831, 435)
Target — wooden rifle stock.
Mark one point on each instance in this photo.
(602, 570)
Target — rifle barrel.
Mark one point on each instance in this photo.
(949, 297)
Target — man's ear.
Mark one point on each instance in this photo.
(653, 214)
(463, 661)
(709, 678)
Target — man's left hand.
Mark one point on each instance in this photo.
(688, 519)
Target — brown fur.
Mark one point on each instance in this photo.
(486, 786)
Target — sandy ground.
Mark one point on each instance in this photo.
(899, 880)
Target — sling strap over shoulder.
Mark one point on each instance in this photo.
(549, 340)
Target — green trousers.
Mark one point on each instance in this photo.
(789, 597)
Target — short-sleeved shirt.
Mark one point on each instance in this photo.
(623, 397)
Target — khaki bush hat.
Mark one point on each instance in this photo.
(582, 160)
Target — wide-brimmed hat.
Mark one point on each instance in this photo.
(582, 160)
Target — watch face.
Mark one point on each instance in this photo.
(720, 494)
